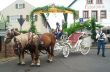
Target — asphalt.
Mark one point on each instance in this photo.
(107, 46)
(76, 62)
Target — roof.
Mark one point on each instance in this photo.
(18, 1)
(72, 3)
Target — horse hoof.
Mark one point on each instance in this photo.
(49, 61)
(32, 65)
(18, 63)
(22, 64)
(37, 65)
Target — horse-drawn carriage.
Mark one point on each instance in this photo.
(78, 41)
(46, 42)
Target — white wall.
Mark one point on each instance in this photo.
(40, 25)
(81, 5)
(12, 11)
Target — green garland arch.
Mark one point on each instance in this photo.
(46, 9)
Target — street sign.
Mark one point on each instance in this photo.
(81, 20)
(21, 20)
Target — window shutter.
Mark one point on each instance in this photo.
(16, 6)
(103, 14)
(8, 18)
(23, 5)
(27, 17)
(85, 14)
(35, 17)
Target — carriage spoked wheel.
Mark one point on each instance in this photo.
(65, 50)
(57, 49)
(85, 48)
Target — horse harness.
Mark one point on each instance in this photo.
(41, 46)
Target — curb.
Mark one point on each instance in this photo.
(4, 60)
(95, 47)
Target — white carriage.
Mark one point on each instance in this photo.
(78, 41)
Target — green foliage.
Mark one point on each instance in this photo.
(99, 26)
(89, 25)
(33, 28)
(3, 22)
(64, 25)
(93, 28)
(46, 9)
(23, 31)
(77, 26)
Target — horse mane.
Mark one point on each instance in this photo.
(10, 34)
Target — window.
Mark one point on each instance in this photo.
(16, 6)
(8, 18)
(89, 1)
(20, 6)
(35, 17)
(85, 14)
(27, 17)
(14, 18)
(94, 15)
(103, 14)
(98, 1)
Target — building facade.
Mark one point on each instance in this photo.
(20, 8)
(98, 9)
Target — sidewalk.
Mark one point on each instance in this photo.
(106, 46)
(4, 60)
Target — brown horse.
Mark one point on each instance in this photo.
(21, 43)
(7, 40)
(24, 42)
(10, 34)
(47, 43)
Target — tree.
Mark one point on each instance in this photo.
(32, 27)
(93, 30)
(3, 22)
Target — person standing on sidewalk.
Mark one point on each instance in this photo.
(100, 36)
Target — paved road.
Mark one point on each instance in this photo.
(74, 63)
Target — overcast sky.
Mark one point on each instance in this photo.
(53, 18)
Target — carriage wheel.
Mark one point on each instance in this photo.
(85, 46)
(85, 49)
(65, 50)
(57, 49)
